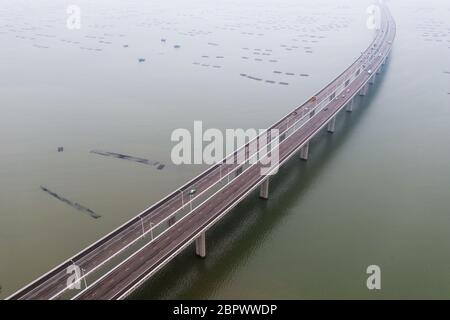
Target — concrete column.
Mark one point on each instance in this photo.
(364, 90)
(304, 151)
(200, 245)
(372, 80)
(349, 107)
(380, 69)
(331, 125)
(264, 191)
(361, 91)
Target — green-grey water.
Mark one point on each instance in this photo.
(375, 192)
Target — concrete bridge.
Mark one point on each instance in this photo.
(121, 261)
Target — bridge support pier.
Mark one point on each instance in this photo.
(349, 107)
(200, 245)
(332, 125)
(361, 91)
(364, 90)
(304, 152)
(372, 80)
(264, 191)
(380, 69)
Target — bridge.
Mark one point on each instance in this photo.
(125, 258)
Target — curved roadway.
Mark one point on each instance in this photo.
(174, 227)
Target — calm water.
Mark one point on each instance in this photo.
(375, 192)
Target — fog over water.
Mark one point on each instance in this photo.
(375, 192)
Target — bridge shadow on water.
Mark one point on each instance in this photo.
(231, 241)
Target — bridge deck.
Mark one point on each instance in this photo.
(130, 273)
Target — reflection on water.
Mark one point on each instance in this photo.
(375, 192)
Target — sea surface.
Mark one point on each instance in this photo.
(376, 192)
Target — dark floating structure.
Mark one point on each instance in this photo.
(254, 78)
(75, 205)
(60, 149)
(159, 166)
(141, 60)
